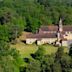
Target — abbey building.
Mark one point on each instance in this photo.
(53, 34)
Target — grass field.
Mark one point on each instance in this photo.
(26, 50)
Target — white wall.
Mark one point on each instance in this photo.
(69, 36)
(30, 40)
(39, 43)
(43, 41)
(46, 40)
(64, 43)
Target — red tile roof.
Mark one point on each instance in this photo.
(49, 35)
(46, 35)
(55, 28)
(67, 28)
(49, 28)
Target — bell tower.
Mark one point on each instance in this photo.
(60, 29)
(60, 25)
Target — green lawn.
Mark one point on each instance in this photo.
(26, 50)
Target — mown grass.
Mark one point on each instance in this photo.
(26, 50)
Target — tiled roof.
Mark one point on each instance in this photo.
(67, 28)
(49, 28)
(55, 28)
(46, 35)
(50, 35)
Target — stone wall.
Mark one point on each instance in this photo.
(30, 40)
(46, 40)
(68, 36)
(64, 43)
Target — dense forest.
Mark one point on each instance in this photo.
(31, 14)
(28, 15)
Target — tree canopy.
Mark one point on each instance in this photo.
(31, 14)
(28, 15)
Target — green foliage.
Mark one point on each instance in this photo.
(60, 62)
(33, 66)
(47, 63)
(31, 14)
(57, 67)
(58, 8)
(70, 51)
(19, 15)
(39, 53)
(66, 63)
(4, 33)
(59, 53)
(7, 65)
(9, 58)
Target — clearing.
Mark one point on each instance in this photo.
(26, 50)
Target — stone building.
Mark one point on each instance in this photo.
(53, 34)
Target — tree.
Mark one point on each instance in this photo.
(39, 53)
(47, 62)
(59, 54)
(4, 35)
(57, 67)
(33, 66)
(10, 60)
(70, 50)
(66, 63)
(6, 15)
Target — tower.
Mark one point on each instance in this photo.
(60, 29)
(60, 25)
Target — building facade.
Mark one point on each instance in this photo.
(59, 34)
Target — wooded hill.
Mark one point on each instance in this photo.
(17, 16)
(31, 14)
